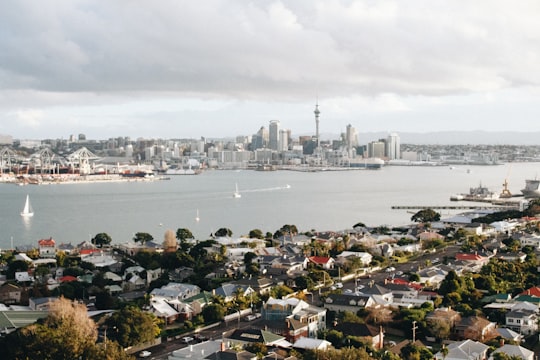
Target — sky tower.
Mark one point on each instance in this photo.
(317, 112)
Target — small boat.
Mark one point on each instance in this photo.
(197, 217)
(236, 193)
(27, 210)
(287, 186)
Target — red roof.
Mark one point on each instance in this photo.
(401, 281)
(46, 242)
(319, 259)
(67, 278)
(469, 257)
(534, 291)
(89, 251)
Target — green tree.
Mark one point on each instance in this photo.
(184, 234)
(221, 232)
(213, 312)
(256, 234)
(426, 215)
(143, 237)
(101, 239)
(131, 326)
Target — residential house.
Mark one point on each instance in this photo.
(47, 248)
(243, 337)
(231, 354)
(444, 315)
(513, 352)
(312, 344)
(229, 291)
(373, 334)
(10, 294)
(348, 302)
(476, 328)
(175, 291)
(522, 321)
(530, 240)
(41, 304)
(474, 259)
(326, 263)
(464, 350)
(345, 256)
(511, 256)
(297, 317)
(198, 351)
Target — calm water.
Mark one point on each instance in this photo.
(322, 201)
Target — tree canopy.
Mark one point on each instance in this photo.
(101, 239)
(426, 215)
(143, 237)
(223, 232)
(131, 326)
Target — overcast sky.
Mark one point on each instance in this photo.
(216, 68)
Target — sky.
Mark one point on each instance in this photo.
(222, 68)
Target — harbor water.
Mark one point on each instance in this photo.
(326, 200)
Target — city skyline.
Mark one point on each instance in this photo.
(159, 70)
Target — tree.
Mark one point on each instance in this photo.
(66, 333)
(142, 237)
(131, 326)
(101, 239)
(426, 215)
(183, 234)
(213, 312)
(169, 241)
(222, 232)
(256, 234)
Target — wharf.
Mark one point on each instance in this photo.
(454, 207)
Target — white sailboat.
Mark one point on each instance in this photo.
(197, 218)
(27, 210)
(237, 194)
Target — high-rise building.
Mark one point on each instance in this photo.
(283, 140)
(376, 149)
(317, 135)
(393, 147)
(351, 138)
(273, 135)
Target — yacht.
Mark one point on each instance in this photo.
(27, 210)
(236, 193)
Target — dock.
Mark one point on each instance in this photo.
(454, 207)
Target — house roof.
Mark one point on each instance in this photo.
(46, 242)
(16, 319)
(515, 351)
(356, 329)
(533, 291)
(469, 257)
(321, 260)
(255, 335)
(309, 343)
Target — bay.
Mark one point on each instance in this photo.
(327, 200)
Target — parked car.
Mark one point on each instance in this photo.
(187, 339)
(145, 354)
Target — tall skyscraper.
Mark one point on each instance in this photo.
(283, 140)
(273, 132)
(317, 113)
(351, 138)
(393, 147)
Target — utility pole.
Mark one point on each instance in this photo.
(414, 328)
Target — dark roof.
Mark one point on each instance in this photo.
(230, 354)
(356, 329)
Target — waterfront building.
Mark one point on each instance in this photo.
(273, 132)
(376, 149)
(393, 151)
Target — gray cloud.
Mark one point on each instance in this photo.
(75, 53)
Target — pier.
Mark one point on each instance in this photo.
(454, 207)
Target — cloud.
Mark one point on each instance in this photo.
(383, 54)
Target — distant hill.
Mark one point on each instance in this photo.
(458, 138)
